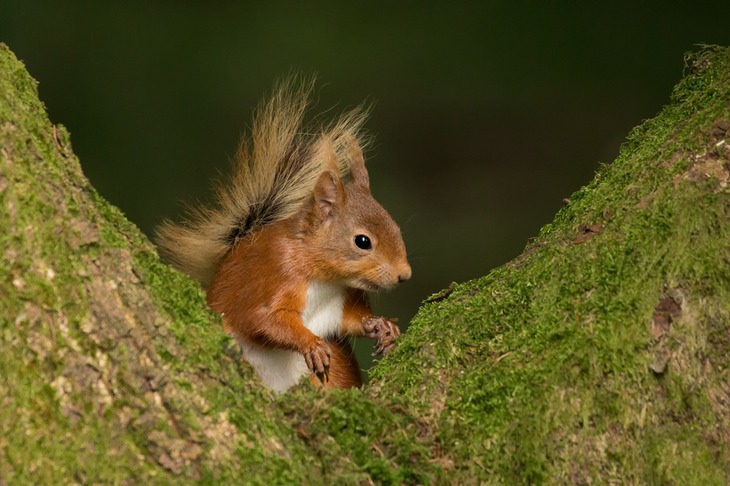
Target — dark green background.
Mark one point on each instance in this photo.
(486, 114)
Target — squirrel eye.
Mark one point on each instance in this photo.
(363, 242)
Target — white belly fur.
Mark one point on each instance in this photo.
(281, 369)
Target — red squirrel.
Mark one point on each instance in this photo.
(293, 245)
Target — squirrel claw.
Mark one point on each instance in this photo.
(384, 331)
(317, 359)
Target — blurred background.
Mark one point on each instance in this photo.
(485, 114)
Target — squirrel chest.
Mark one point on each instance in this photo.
(322, 312)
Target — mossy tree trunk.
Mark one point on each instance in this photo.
(600, 354)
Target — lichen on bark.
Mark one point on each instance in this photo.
(600, 354)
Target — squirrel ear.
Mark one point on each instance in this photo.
(325, 196)
(328, 189)
(358, 172)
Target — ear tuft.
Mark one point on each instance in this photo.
(358, 172)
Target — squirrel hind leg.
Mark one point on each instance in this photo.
(344, 369)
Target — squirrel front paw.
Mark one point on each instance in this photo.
(318, 360)
(384, 331)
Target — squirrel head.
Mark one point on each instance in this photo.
(350, 236)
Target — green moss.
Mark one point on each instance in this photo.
(358, 439)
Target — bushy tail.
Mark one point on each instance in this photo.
(275, 171)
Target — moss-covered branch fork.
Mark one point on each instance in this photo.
(601, 353)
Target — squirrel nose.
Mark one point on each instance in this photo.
(405, 274)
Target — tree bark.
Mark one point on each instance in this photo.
(600, 354)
